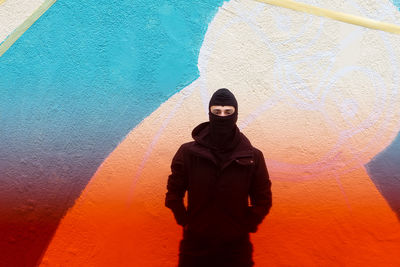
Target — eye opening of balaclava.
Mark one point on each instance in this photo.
(222, 128)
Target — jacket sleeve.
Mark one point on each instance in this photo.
(176, 188)
(260, 194)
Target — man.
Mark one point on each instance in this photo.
(219, 171)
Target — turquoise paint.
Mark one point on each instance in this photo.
(396, 3)
(72, 87)
(88, 72)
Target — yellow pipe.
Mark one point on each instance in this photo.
(347, 18)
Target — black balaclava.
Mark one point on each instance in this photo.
(223, 129)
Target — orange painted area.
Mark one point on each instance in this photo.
(324, 217)
(316, 224)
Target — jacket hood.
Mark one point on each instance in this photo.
(200, 134)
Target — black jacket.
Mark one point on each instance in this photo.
(218, 186)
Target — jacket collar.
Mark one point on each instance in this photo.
(201, 146)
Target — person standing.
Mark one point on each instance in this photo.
(219, 170)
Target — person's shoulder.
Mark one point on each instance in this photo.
(257, 152)
(182, 151)
(258, 157)
(186, 146)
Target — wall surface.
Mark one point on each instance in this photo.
(97, 96)
(72, 87)
(13, 13)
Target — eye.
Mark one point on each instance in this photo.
(229, 111)
(216, 111)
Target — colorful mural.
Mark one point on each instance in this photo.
(72, 87)
(97, 97)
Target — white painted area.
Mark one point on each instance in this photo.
(13, 13)
(317, 90)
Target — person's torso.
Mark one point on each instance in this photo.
(218, 191)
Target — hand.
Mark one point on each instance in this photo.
(180, 214)
(251, 224)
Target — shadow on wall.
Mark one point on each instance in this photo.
(384, 171)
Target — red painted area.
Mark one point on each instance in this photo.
(335, 218)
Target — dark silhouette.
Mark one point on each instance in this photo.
(220, 169)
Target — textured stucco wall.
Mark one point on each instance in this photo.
(13, 13)
(319, 97)
(72, 87)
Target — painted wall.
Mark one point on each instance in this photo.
(72, 87)
(97, 96)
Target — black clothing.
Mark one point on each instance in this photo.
(206, 253)
(223, 132)
(223, 97)
(218, 218)
(223, 128)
